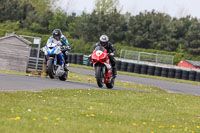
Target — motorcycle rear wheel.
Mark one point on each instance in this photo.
(51, 69)
(111, 84)
(64, 76)
(99, 76)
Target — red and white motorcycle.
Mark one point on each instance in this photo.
(102, 67)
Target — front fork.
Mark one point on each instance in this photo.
(52, 58)
(107, 73)
(103, 68)
(55, 60)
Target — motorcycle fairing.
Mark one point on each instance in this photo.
(99, 55)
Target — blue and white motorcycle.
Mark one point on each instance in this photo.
(51, 51)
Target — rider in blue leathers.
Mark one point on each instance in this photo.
(62, 57)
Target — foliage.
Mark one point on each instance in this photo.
(106, 6)
(29, 13)
(147, 30)
(58, 21)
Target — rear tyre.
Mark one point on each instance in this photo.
(51, 69)
(64, 76)
(111, 84)
(99, 76)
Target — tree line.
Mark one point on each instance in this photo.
(148, 29)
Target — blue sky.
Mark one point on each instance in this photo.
(178, 8)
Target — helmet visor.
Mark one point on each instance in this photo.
(103, 43)
(57, 37)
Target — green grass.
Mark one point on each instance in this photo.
(98, 111)
(143, 75)
(95, 111)
(13, 72)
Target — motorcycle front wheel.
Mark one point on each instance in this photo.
(99, 76)
(51, 69)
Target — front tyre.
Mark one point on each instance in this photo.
(51, 69)
(99, 76)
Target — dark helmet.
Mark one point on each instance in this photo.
(57, 32)
(103, 40)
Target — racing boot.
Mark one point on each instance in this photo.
(66, 67)
(66, 64)
(62, 67)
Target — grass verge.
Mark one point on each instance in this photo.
(13, 72)
(98, 111)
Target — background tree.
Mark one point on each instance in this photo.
(9, 10)
(150, 30)
(193, 38)
(58, 21)
(106, 6)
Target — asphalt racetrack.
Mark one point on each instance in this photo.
(11, 82)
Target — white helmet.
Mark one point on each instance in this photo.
(104, 39)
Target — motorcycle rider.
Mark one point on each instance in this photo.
(57, 34)
(104, 41)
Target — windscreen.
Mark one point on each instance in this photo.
(101, 48)
(52, 40)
